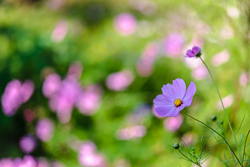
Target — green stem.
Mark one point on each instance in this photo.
(223, 107)
(215, 132)
(188, 158)
(245, 147)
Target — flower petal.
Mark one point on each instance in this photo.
(167, 90)
(196, 50)
(190, 53)
(176, 111)
(162, 100)
(188, 98)
(179, 88)
(164, 111)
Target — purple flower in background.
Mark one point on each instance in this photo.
(75, 70)
(199, 73)
(42, 162)
(6, 162)
(88, 155)
(89, 100)
(194, 52)
(244, 79)
(145, 63)
(27, 144)
(137, 131)
(65, 98)
(15, 95)
(172, 124)
(220, 58)
(26, 90)
(125, 24)
(60, 31)
(45, 130)
(27, 161)
(120, 80)
(174, 98)
(51, 85)
(173, 45)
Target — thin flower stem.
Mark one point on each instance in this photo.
(245, 147)
(222, 106)
(187, 157)
(215, 132)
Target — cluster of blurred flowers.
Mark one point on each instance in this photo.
(88, 155)
(15, 95)
(28, 161)
(66, 94)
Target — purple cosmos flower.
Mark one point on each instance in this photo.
(194, 52)
(174, 98)
(27, 144)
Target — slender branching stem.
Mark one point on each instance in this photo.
(245, 147)
(187, 157)
(223, 107)
(215, 132)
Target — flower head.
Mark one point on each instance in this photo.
(174, 98)
(194, 52)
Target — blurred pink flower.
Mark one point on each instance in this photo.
(244, 79)
(137, 131)
(89, 100)
(6, 162)
(173, 44)
(144, 65)
(227, 101)
(27, 161)
(220, 58)
(55, 4)
(227, 32)
(57, 164)
(42, 162)
(65, 98)
(60, 31)
(146, 7)
(88, 155)
(199, 73)
(51, 85)
(233, 12)
(172, 124)
(26, 90)
(27, 144)
(45, 130)
(75, 70)
(189, 138)
(125, 24)
(15, 94)
(120, 80)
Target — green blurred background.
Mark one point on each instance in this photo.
(111, 59)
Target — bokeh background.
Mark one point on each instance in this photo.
(78, 79)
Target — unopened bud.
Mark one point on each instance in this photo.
(214, 118)
(176, 146)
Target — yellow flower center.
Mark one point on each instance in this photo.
(177, 102)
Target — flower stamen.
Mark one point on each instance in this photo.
(177, 102)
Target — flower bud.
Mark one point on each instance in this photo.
(214, 118)
(176, 146)
(221, 122)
